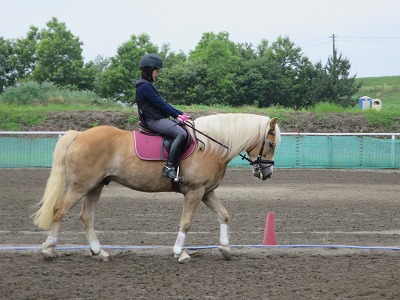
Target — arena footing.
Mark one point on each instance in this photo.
(132, 247)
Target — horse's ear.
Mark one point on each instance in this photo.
(272, 124)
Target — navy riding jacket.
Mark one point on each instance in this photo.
(151, 104)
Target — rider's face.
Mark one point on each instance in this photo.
(155, 74)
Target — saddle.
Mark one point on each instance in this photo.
(150, 146)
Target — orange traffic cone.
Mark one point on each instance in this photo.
(270, 233)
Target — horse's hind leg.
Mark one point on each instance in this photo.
(87, 218)
(69, 200)
(51, 242)
(210, 199)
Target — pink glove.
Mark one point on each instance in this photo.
(188, 117)
(182, 118)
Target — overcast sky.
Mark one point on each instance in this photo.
(368, 32)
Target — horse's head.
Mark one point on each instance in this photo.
(262, 154)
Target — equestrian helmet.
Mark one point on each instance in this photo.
(151, 60)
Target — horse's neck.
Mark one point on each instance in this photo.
(235, 133)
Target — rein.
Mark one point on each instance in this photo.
(207, 136)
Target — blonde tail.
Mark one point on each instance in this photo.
(56, 183)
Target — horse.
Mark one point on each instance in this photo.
(85, 161)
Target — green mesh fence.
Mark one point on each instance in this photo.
(335, 152)
(27, 152)
(294, 152)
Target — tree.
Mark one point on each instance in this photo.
(24, 58)
(295, 72)
(183, 83)
(222, 59)
(171, 58)
(182, 80)
(8, 75)
(334, 84)
(117, 81)
(262, 83)
(59, 58)
(278, 75)
(17, 58)
(262, 47)
(246, 51)
(99, 65)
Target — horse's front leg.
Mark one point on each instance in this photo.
(210, 199)
(192, 200)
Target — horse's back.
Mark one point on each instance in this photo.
(99, 145)
(103, 134)
(103, 131)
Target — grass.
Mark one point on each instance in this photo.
(33, 93)
(386, 88)
(386, 118)
(12, 116)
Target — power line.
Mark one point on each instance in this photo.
(370, 41)
(314, 40)
(350, 39)
(316, 44)
(369, 37)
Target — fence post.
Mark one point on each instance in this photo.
(361, 151)
(393, 151)
(330, 152)
(297, 151)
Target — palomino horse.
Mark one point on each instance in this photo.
(85, 161)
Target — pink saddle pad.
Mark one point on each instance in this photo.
(150, 147)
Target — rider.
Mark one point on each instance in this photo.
(154, 111)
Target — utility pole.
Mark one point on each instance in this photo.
(334, 48)
(334, 58)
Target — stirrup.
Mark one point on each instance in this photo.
(171, 173)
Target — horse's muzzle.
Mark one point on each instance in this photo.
(262, 173)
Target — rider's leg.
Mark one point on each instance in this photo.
(177, 147)
(171, 129)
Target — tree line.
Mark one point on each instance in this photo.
(217, 71)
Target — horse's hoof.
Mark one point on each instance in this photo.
(48, 254)
(226, 252)
(47, 257)
(184, 257)
(102, 255)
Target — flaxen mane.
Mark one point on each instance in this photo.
(237, 131)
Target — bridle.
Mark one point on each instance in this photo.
(259, 161)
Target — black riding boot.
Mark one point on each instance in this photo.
(170, 169)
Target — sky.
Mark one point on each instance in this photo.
(366, 32)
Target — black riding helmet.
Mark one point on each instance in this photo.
(152, 61)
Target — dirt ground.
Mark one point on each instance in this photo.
(312, 207)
